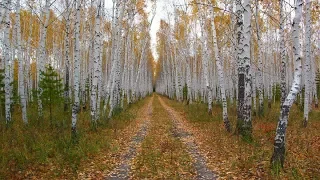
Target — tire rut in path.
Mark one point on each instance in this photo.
(122, 171)
(200, 165)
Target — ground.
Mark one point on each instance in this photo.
(158, 138)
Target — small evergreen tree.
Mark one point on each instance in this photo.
(52, 89)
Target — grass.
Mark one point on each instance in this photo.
(232, 157)
(162, 156)
(46, 151)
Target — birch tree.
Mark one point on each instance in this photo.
(116, 55)
(260, 65)
(247, 124)
(67, 60)
(76, 103)
(7, 63)
(220, 72)
(278, 156)
(4, 8)
(23, 102)
(307, 65)
(96, 61)
(42, 51)
(205, 62)
(282, 55)
(243, 56)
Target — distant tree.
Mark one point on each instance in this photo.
(318, 83)
(52, 88)
(1, 93)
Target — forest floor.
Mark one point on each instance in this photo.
(158, 138)
(235, 158)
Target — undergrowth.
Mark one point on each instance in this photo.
(42, 147)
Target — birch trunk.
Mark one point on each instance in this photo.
(220, 73)
(279, 143)
(241, 69)
(76, 103)
(116, 65)
(67, 61)
(205, 64)
(6, 49)
(23, 102)
(260, 65)
(307, 65)
(314, 85)
(189, 81)
(3, 10)
(282, 55)
(247, 124)
(42, 53)
(96, 70)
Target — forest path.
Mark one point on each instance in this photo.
(162, 155)
(184, 133)
(161, 146)
(123, 169)
(115, 164)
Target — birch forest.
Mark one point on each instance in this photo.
(159, 89)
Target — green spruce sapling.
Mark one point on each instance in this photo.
(52, 89)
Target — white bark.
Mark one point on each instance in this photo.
(260, 65)
(23, 102)
(246, 57)
(116, 55)
(3, 10)
(307, 64)
(76, 86)
(220, 73)
(7, 64)
(67, 60)
(205, 62)
(42, 52)
(282, 54)
(279, 143)
(241, 68)
(96, 70)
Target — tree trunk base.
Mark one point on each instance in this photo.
(74, 135)
(277, 160)
(188, 101)
(305, 123)
(65, 107)
(210, 112)
(261, 112)
(317, 105)
(227, 125)
(244, 130)
(269, 105)
(84, 107)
